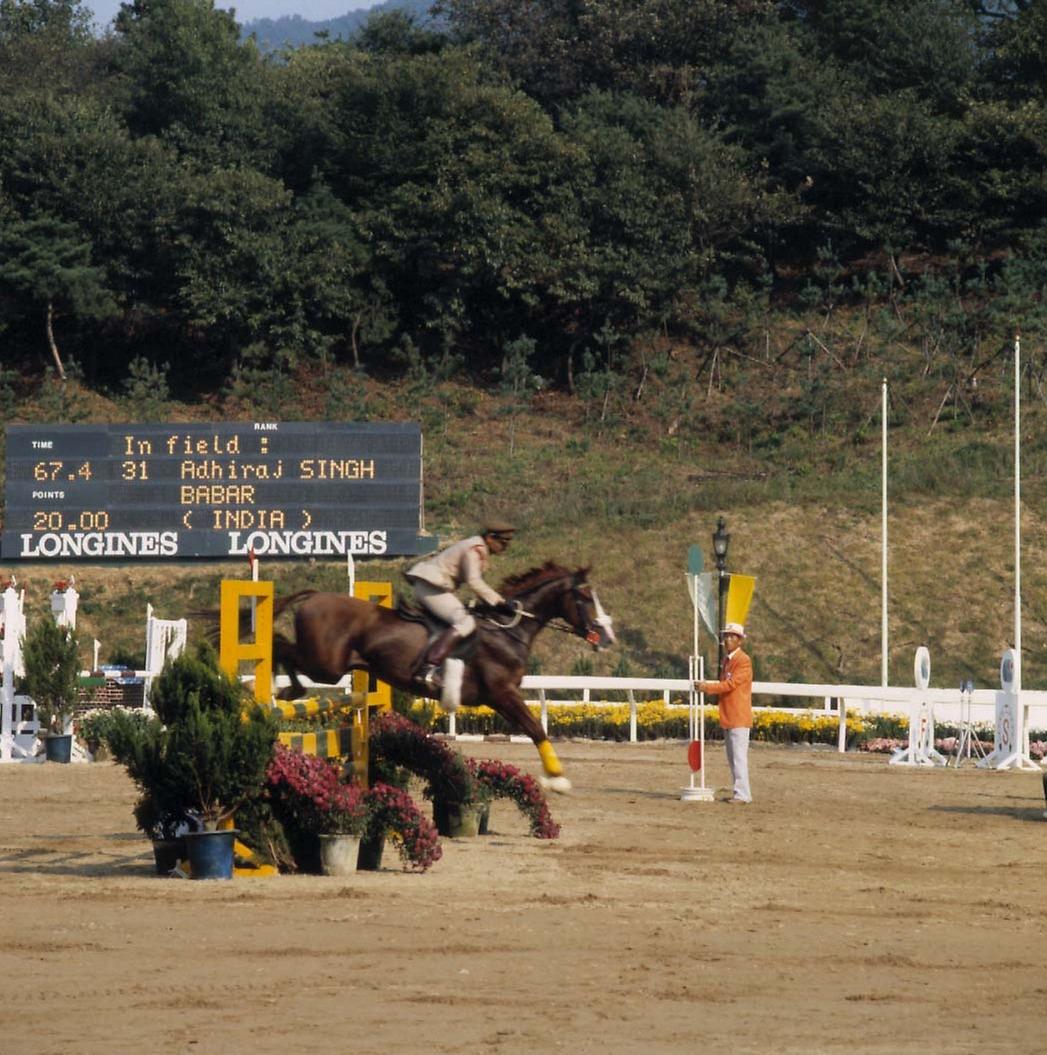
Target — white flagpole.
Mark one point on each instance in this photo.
(883, 535)
(1019, 731)
(699, 670)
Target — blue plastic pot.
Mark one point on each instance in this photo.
(211, 854)
(58, 748)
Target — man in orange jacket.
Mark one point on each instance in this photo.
(735, 691)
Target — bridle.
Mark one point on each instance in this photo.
(589, 631)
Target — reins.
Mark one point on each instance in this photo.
(522, 613)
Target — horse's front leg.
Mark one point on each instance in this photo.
(509, 703)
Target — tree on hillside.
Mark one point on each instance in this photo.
(398, 31)
(856, 106)
(557, 50)
(47, 264)
(44, 36)
(189, 79)
(455, 186)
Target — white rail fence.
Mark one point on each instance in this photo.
(949, 705)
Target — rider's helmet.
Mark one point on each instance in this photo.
(498, 528)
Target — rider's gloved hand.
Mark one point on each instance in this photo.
(506, 608)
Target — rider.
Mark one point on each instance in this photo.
(436, 579)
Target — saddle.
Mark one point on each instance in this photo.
(412, 613)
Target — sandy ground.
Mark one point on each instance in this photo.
(854, 907)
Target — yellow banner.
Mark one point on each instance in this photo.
(739, 597)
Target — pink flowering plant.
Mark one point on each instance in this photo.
(307, 793)
(505, 781)
(393, 813)
(399, 741)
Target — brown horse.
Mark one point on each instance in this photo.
(335, 633)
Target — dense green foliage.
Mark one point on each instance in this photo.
(52, 664)
(201, 757)
(525, 194)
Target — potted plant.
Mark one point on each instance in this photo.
(94, 729)
(393, 813)
(50, 655)
(322, 818)
(221, 759)
(506, 781)
(458, 797)
(199, 760)
(139, 743)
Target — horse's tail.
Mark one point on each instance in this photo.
(286, 602)
(211, 617)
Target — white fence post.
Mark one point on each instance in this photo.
(841, 744)
(17, 737)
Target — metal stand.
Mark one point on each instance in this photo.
(967, 743)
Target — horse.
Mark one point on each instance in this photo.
(335, 633)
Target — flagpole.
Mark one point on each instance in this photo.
(1019, 731)
(883, 534)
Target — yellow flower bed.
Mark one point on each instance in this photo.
(654, 720)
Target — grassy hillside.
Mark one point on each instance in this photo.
(627, 482)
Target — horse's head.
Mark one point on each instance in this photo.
(582, 609)
(554, 592)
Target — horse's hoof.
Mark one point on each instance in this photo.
(561, 785)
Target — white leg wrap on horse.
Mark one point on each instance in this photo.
(560, 784)
(451, 697)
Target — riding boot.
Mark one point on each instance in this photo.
(439, 650)
(441, 647)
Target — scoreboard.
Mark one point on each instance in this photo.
(172, 492)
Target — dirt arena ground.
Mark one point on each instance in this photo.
(854, 907)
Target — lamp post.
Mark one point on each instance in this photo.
(721, 540)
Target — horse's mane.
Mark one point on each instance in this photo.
(527, 580)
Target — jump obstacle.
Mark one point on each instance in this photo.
(19, 727)
(920, 750)
(350, 741)
(256, 654)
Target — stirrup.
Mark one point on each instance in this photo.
(431, 679)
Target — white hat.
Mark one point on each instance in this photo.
(733, 628)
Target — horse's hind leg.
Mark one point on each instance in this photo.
(510, 705)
